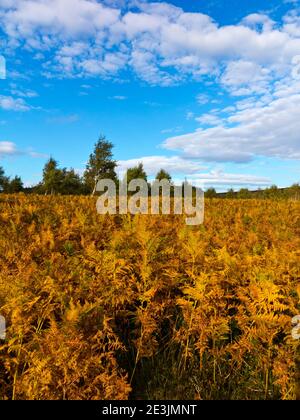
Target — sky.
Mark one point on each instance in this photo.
(208, 90)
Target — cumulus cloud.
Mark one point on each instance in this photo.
(268, 128)
(161, 43)
(209, 119)
(153, 164)
(243, 78)
(259, 22)
(33, 19)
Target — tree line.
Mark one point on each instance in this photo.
(56, 180)
(101, 165)
(272, 192)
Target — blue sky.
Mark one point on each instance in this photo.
(209, 90)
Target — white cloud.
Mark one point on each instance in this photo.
(152, 164)
(202, 99)
(38, 155)
(22, 93)
(8, 103)
(145, 65)
(259, 22)
(269, 128)
(161, 43)
(245, 77)
(65, 18)
(209, 119)
(8, 148)
(220, 178)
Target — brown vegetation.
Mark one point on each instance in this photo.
(117, 307)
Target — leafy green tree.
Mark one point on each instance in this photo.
(4, 180)
(244, 193)
(8, 185)
(15, 185)
(137, 172)
(52, 177)
(71, 183)
(230, 193)
(272, 192)
(101, 165)
(211, 193)
(162, 174)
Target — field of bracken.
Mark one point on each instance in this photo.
(145, 307)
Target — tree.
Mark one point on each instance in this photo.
(10, 186)
(60, 181)
(137, 172)
(162, 174)
(244, 193)
(15, 185)
(52, 177)
(4, 180)
(230, 193)
(295, 191)
(272, 192)
(101, 165)
(71, 183)
(210, 193)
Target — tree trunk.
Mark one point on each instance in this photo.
(94, 190)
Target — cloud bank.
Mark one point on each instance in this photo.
(159, 42)
(256, 62)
